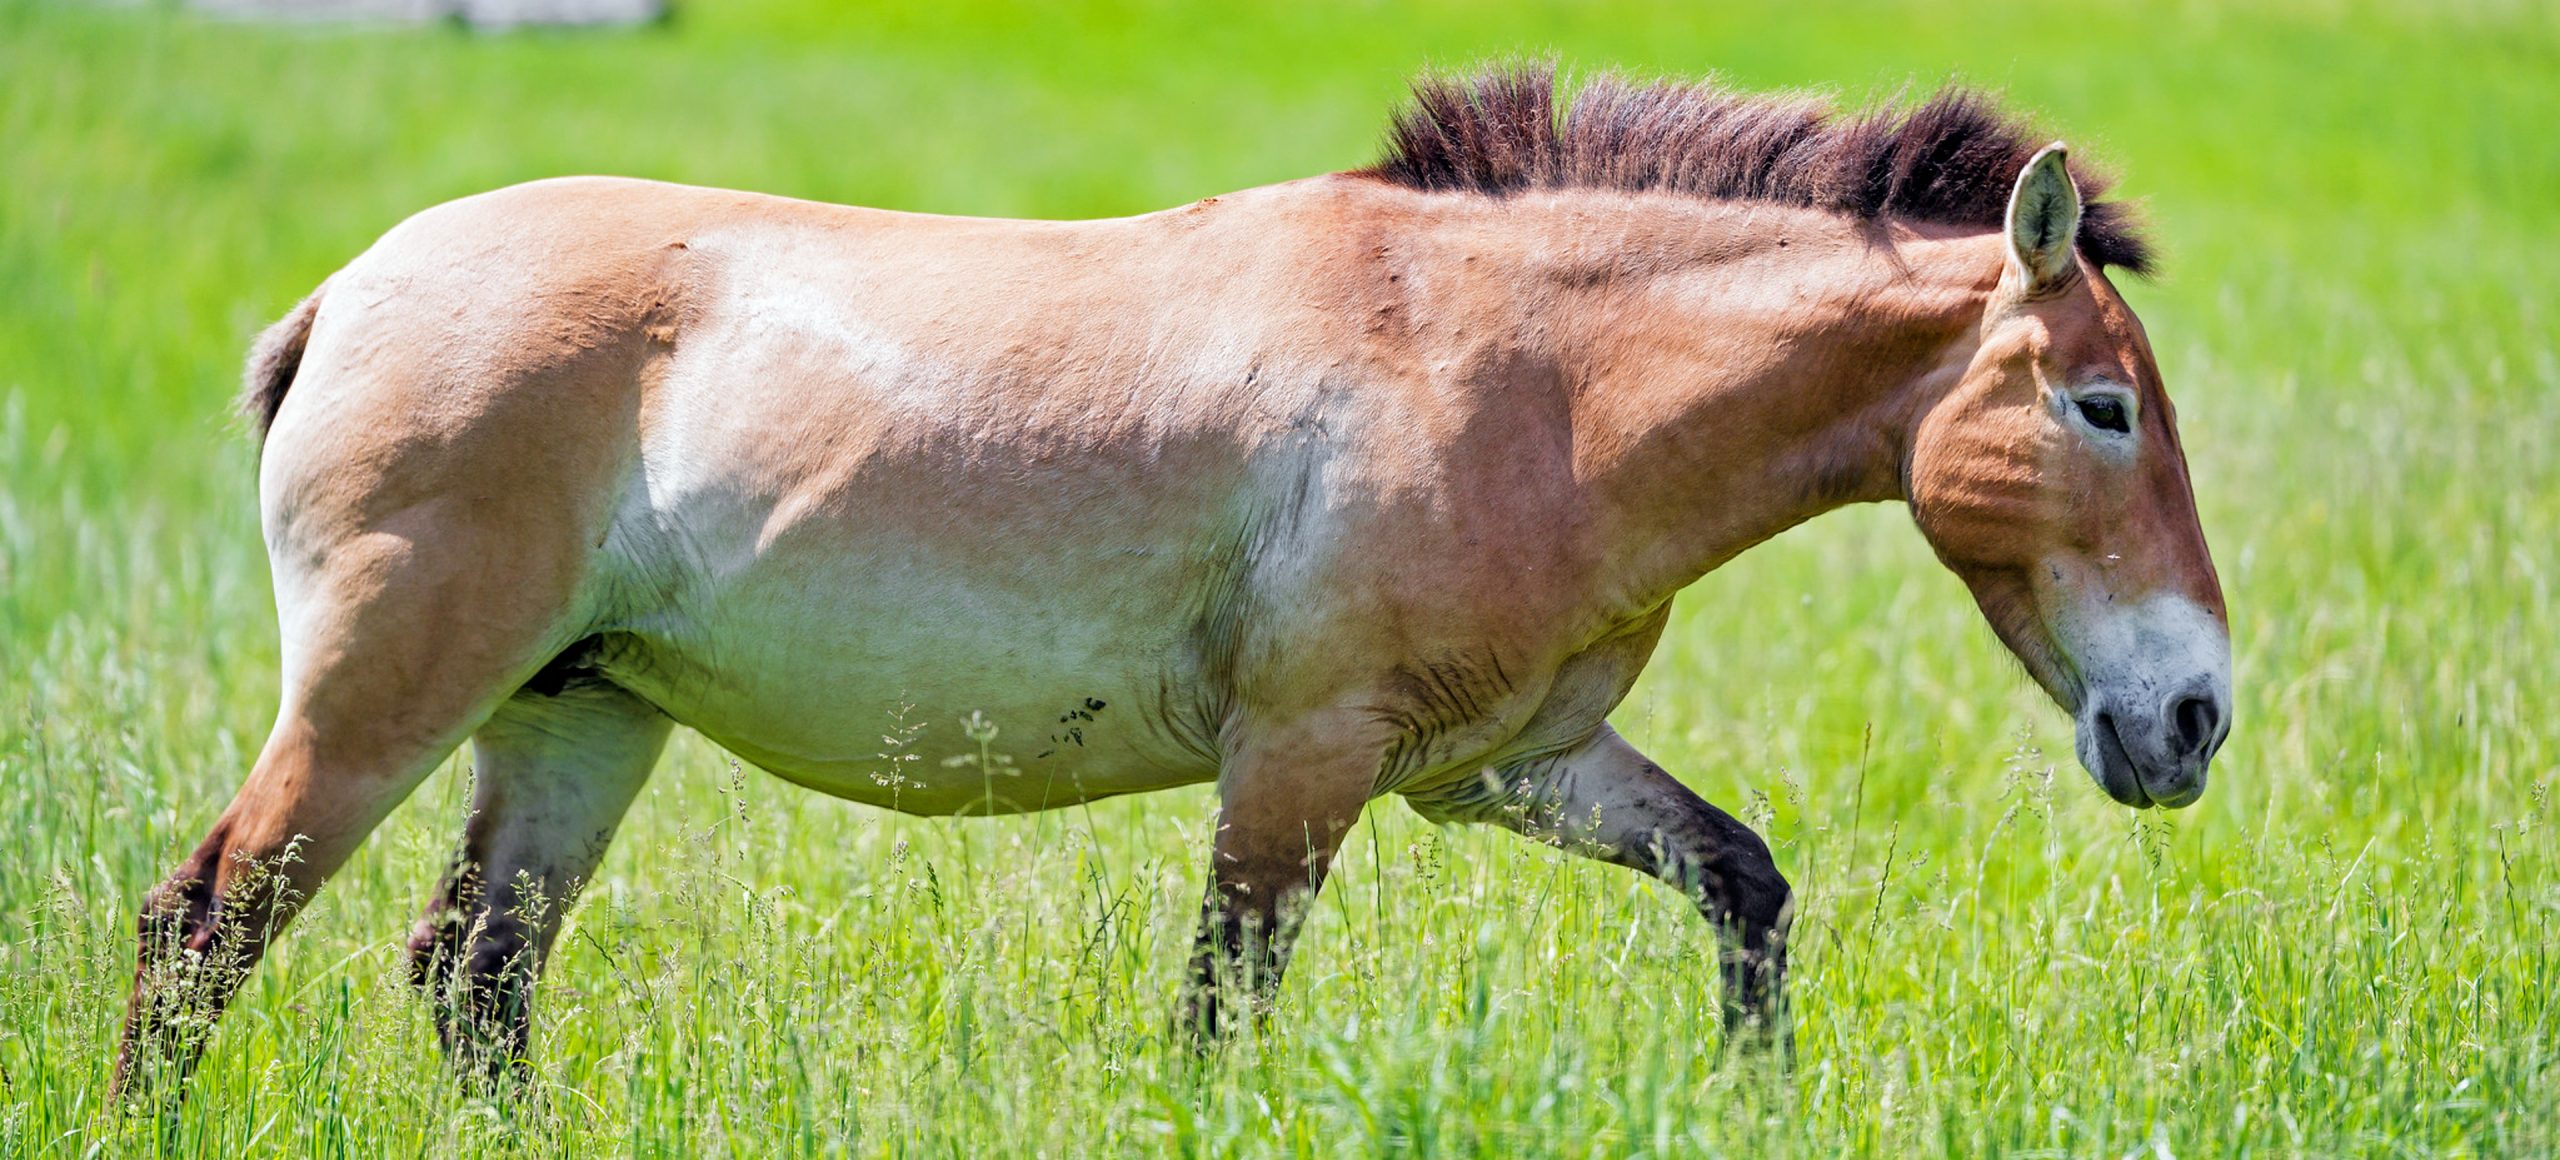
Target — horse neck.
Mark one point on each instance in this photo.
(1724, 400)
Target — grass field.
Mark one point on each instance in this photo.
(2348, 947)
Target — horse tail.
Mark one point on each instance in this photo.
(273, 359)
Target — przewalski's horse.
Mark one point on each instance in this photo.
(1372, 483)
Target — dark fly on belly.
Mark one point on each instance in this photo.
(1071, 725)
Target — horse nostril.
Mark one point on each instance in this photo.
(2197, 720)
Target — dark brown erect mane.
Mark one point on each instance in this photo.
(1952, 158)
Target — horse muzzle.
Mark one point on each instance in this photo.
(2155, 705)
(2148, 754)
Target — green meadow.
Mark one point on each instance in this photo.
(2346, 948)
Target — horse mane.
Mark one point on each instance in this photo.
(1952, 158)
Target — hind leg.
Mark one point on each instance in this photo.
(434, 495)
(400, 638)
(551, 778)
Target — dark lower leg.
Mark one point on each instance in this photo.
(1737, 888)
(1240, 955)
(1606, 801)
(1285, 801)
(476, 959)
(552, 775)
(201, 931)
(1726, 870)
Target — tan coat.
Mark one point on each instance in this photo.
(1323, 491)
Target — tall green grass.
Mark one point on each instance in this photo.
(2346, 948)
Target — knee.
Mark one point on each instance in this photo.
(433, 946)
(1753, 897)
(1757, 895)
(174, 909)
(178, 914)
(500, 952)
(1766, 906)
(475, 950)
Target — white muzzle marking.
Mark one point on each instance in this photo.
(2156, 696)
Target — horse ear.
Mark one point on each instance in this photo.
(2044, 221)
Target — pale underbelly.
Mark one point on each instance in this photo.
(934, 698)
(943, 780)
(961, 747)
(966, 744)
(870, 659)
(957, 701)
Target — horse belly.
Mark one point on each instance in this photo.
(878, 500)
(904, 675)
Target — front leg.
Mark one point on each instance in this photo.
(1285, 800)
(1604, 800)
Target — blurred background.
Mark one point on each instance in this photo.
(2345, 948)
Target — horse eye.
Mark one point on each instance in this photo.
(2106, 413)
